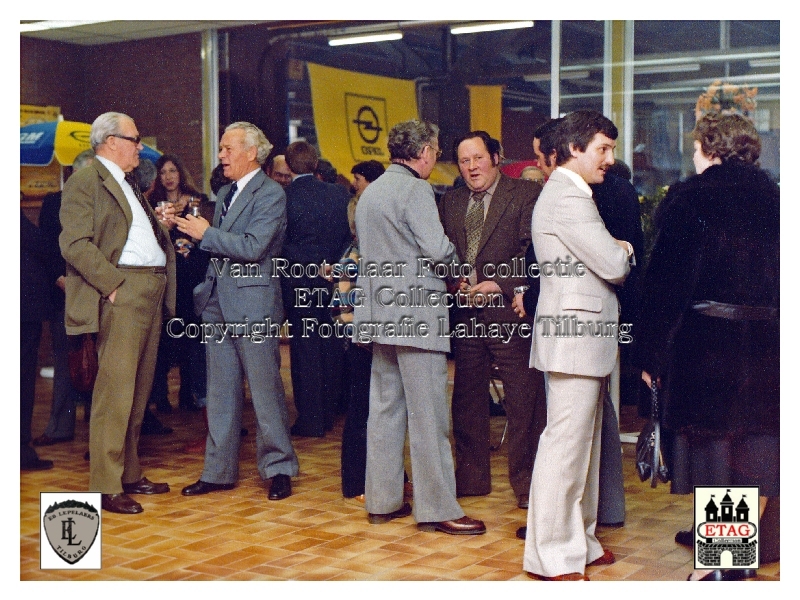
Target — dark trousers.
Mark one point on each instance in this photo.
(30, 336)
(523, 389)
(316, 360)
(354, 434)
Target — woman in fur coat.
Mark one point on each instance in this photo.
(709, 331)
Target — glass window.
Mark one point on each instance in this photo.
(582, 44)
(739, 59)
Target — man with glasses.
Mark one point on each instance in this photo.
(120, 285)
(397, 224)
(279, 170)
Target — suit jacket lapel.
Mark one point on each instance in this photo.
(242, 200)
(460, 204)
(115, 190)
(500, 200)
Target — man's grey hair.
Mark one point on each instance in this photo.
(145, 174)
(409, 138)
(83, 159)
(253, 136)
(104, 126)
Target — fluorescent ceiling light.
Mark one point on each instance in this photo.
(366, 38)
(678, 68)
(564, 75)
(496, 26)
(765, 62)
(46, 25)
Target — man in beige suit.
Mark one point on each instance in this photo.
(575, 345)
(120, 284)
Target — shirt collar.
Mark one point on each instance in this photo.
(490, 190)
(576, 179)
(240, 183)
(112, 167)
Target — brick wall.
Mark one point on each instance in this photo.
(155, 81)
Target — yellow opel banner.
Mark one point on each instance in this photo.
(485, 109)
(354, 112)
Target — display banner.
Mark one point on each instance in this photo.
(354, 112)
(38, 181)
(486, 109)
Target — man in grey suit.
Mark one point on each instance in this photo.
(240, 302)
(401, 238)
(575, 345)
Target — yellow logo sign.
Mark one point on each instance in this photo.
(366, 127)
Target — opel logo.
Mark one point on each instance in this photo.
(368, 126)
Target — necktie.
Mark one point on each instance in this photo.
(226, 203)
(474, 225)
(143, 202)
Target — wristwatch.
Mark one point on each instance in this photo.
(521, 289)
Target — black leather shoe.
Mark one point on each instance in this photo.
(163, 406)
(299, 430)
(522, 532)
(145, 486)
(726, 575)
(203, 487)
(187, 402)
(280, 488)
(46, 440)
(37, 464)
(522, 501)
(120, 503)
(152, 426)
(496, 409)
(377, 519)
(685, 538)
(463, 526)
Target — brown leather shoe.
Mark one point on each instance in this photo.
(463, 526)
(565, 577)
(204, 487)
(377, 519)
(120, 503)
(606, 559)
(145, 486)
(522, 501)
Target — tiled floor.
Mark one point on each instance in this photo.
(315, 535)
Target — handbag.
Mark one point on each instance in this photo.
(345, 295)
(650, 462)
(82, 357)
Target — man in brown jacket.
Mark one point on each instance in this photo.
(489, 222)
(120, 284)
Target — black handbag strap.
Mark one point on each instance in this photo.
(655, 415)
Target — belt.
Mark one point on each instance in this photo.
(158, 270)
(735, 312)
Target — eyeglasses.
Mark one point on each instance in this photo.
(136, 140)
(438, 152)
